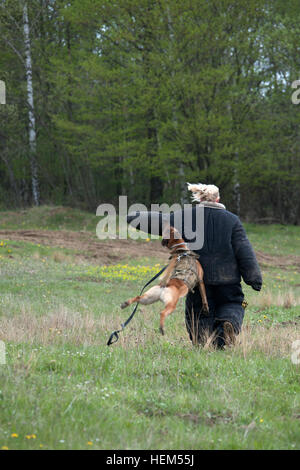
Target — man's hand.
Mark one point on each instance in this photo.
(256, 286)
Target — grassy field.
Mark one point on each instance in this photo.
(63, 388)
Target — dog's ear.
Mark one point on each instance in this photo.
(166, 232)
(166, 235)
(175, 234)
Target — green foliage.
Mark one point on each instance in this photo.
(138, 97)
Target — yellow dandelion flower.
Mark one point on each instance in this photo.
(4, 448)
(89, 443)
(14, 434)
(261, 420)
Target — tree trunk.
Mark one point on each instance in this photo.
(181, 171)
(236, 188)
(31, 115)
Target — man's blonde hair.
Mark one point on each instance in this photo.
(204, 192)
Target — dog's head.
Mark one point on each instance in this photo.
(170, 236)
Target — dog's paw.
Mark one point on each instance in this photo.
(124, 305)
(205, 310)
(162, 331)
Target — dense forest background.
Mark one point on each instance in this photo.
(137, 97)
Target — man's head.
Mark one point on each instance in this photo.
(204, 192)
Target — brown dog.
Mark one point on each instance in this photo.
(183, 273)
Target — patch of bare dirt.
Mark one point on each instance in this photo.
(279, 261)
(87, 246)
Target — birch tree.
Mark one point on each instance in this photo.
(15, 35)
(31, 113)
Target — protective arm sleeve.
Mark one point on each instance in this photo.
(149, 221)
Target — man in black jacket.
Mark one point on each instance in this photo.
(226, 256)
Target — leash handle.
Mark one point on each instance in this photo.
(115, 334)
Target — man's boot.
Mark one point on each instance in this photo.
(229, 334)
(224, 335)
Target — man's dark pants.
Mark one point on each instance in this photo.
(225, 304)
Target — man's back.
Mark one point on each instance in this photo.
(226, 253)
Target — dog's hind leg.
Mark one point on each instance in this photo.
(169, 308)
(205, 308)
(151, 296)
(170, 297)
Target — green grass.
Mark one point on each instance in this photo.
(63, 388)
(275, 239)
(161, 395)
(48, 218)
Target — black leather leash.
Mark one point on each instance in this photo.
(115, 333)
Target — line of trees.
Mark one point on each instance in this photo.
(136, 97)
